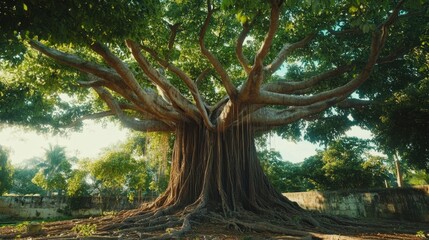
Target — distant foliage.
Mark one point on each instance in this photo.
(22, 183)
(54, 170)
(6, 171)
(345, 164)
(284, 176)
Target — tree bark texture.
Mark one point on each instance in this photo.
(220, 168)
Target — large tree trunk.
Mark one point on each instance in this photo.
(220, 169)
(217, 175)
(215, 178)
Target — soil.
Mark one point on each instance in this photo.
(210, 231)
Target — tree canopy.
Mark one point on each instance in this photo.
(345, 164)
(6, 171)
(217, 73)
(54, 170)
(169, 63)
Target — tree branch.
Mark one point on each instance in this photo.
(256, 75)
(77, 62)
(270, 117)
(139, 125)
(169, 89)
(226, 81)
(292, 87)
(286, 51)
(174, 30)
(152, 103)
(378, 39)
(181, 74)
(239, 48)
(266, 44)
(354, 103)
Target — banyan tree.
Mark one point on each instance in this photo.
(216, 74)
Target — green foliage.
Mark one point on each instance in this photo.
(420, 177)
(31, 93)
(284, 176)
(22, 183)
(421, 234)
(403, 122)
(6, 171)
(112, 169)
(85, 230)
(73, 21)
(54, 170)
(345, 164)
(21, 227)
(77, 184)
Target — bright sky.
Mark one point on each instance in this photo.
(90, 142)
(95, 137)
(298, 151)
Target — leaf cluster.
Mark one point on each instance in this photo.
(6, 171)
(345, 164)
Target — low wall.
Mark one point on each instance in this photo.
(30, 207)
(390, 203)
(40, 207)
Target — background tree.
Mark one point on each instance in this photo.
(345, 164)
(403, 113)
(216, 104)
(22, 183)
(54, 171)
(283, 175)
(111, 171)
(78, 185)
(6, 171)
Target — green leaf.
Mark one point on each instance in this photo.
(25, 7)
(353, 9)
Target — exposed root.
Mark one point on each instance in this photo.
(215, 179)
(153, 225)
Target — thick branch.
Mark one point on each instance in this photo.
(256, 75)
(139, 125)
(292, 87)
(226, 81)
(270, 117)
(282, 99)
(193, 88)
(286, 51)
(239, 48)
(77, 62)
(172, 93)
(152, 103)
(265, 47)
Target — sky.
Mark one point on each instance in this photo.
(88, 143)
(94, 138)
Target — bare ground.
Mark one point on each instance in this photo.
(214, 231)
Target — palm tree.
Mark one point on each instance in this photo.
(54, 170)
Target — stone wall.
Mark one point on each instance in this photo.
(390, 203)
(30, 207)
(39, 207)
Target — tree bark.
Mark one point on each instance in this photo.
(399, 178)
(220, 169)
